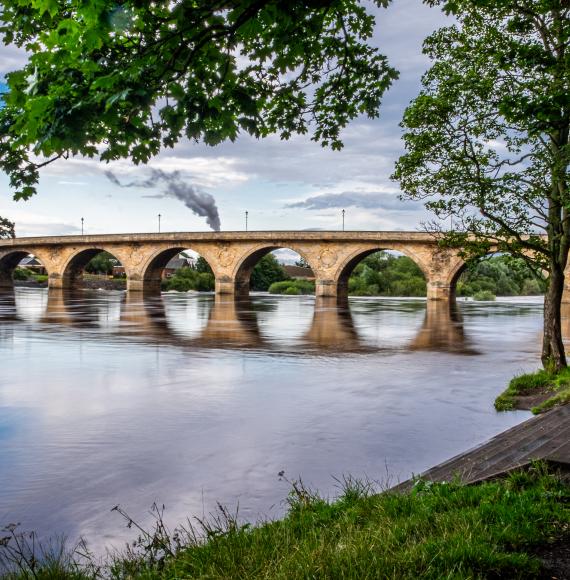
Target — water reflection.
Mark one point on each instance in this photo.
(333, 326)
(208, 321)
(442, 329)
(188, 399)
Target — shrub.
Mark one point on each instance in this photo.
(187, 279)
(484, 296)
(22, 274)
(292, 287)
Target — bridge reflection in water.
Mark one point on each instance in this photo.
(208, 321)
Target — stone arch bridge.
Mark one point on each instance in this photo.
(232, 256)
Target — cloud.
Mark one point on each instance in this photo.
(24, 229)
(379, 200)
(199, 202)
(13, 58)
(265, 174)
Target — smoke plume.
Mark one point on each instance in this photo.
(172, 185)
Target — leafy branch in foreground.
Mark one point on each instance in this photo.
(7, 228)
(123, 80)
(487, 139)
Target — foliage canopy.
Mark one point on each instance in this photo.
(487, 139)
(125, 79)
(7, 228)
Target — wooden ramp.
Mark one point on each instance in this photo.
(546, 437)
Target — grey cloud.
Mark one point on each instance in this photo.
(199, 202)
(13, 58)
(379, 200)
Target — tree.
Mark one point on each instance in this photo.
(487, 138)
(203, 266)
(102, 263)
(7, 228)
(266, 272)
(117, 80)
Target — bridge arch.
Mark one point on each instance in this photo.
(152, 269)
(73, 268)
(245, 265)
(350, 262)
(10, 260)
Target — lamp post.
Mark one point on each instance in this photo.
(246, 214)
(343, 220)
(159, 216)
(81, 226)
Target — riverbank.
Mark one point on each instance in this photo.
(513, 528)
(94, 283)
(536, 392)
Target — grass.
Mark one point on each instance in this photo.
(556, 385)
(436, 531)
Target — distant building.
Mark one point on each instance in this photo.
(32, 263)
(299, 272)
(179, 261)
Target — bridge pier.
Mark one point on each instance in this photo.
(136, 285)
(55, 281)
(326, 288)
(440, 291)
(6, 280)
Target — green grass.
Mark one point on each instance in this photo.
(436, 531)
(557, 385)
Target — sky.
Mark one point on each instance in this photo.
(283, 185)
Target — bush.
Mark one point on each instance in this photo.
(22, 274)
(292, 287)
(187, 279)
(484, 296)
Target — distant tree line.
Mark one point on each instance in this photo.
(501, 276)
(383, 274)
(380, 274)
(201, 278)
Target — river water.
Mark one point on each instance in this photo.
(188, 400)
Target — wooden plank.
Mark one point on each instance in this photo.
(546, 436)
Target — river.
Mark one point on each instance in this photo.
(188, 400)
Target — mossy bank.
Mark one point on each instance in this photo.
(537, 392)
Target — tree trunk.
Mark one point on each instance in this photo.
(553, 355)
